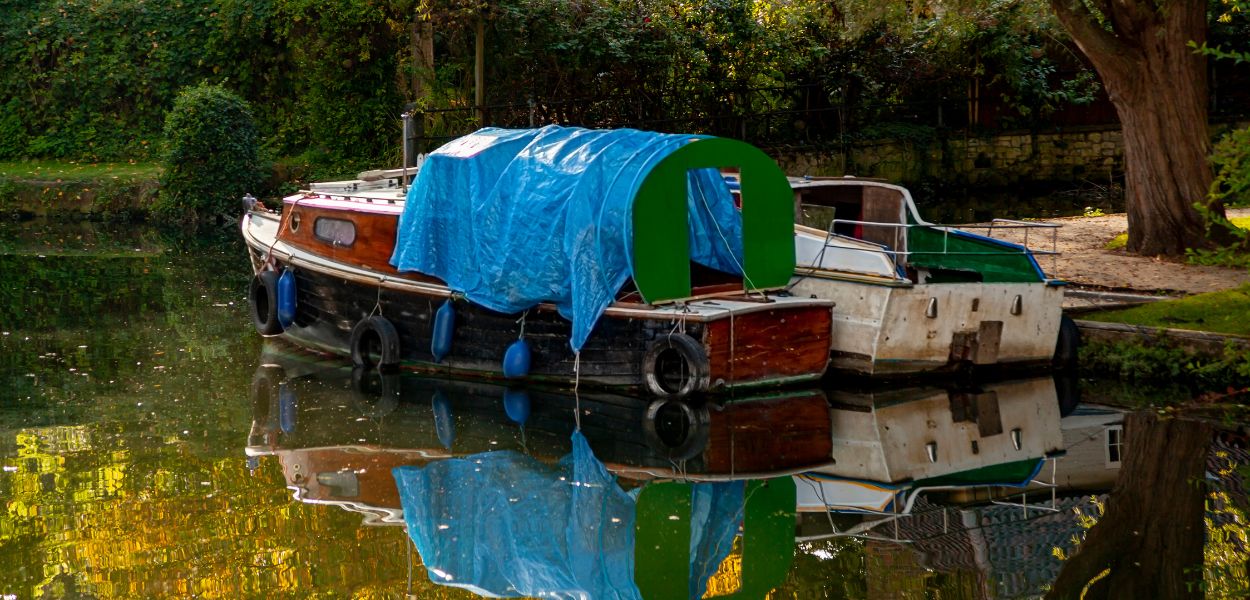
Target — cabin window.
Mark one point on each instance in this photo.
(295, 219)
(1115, 445)
(339, 232)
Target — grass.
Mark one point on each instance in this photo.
(1219, 312)
(1121, 240)
(53, 170)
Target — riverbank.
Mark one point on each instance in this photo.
(69, 189)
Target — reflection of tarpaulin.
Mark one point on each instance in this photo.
(504, 524)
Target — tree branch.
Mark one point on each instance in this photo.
(1106, 51)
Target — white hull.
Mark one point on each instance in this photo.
(882, 329)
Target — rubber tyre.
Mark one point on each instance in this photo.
(676, 443)
(262, 297)
(375, 394)
(693, 374)
(1068, 392)
(264, 391)
(375, 335)
(1067, 344)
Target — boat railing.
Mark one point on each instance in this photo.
(1004, 230)
(993, 493)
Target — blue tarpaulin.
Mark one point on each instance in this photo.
(513, 218)
(502, 524)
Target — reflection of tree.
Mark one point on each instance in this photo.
(1149, 544)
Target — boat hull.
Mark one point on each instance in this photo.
(738, 342)
(884, 330)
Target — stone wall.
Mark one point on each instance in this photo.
(1086, 154)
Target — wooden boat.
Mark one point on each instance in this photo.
(352, 439)
(325, 280)
(912, 296)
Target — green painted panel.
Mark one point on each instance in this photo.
(1012, 472)
(767, 536)
(662, 538)
(968, 259)
(662, 234)
(662, 541)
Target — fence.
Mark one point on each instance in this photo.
(783, 116)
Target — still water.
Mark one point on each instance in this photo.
(153, 446)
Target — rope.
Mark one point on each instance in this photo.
(522, 322)
(269, 253)
(377, 305)
(577, 399)
(721, 234)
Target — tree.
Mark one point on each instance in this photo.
(1158, 85)
(1150, 540)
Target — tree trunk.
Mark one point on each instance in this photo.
(1158, 86)
(1151, 535)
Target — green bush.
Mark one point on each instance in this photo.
(212, 155)
(1231, 161)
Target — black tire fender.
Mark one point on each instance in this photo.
(262, 298)
(694, 372)
(676, 430)
(1067, 344)
(375, 336)
(375, 394)
(264, 392)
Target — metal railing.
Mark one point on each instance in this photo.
(996, 224)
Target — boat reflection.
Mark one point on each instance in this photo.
(510, 492)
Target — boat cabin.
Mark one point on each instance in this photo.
(869, 227)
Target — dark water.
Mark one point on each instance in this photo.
(153, 446)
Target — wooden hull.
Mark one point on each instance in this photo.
(307, 412)
(739, 341)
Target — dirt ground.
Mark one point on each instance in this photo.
(1085, 262)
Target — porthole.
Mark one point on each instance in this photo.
(338, 232)
(295, 219)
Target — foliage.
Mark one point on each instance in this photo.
(1163, 363)
(1231, 160)
(1230, 32)
(328, 79)
(1235, 254)
(213, 154)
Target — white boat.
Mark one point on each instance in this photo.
(912, 296)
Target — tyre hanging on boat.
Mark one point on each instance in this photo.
(262, 300)
(375, 343)
(1067, 344)
(675, 366)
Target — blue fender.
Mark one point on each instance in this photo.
(444, 421)
(516, 360)
(444, 326)
(286, 298)
(287, 403)
(516, 404)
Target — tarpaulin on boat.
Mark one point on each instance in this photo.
(504, 524)
(513, 218)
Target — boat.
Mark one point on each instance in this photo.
(501, 493)
(563, 256)
(915, 297)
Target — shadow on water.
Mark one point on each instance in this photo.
(153, 446)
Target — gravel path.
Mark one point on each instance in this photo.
(1084, 261)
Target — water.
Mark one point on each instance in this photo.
(153, 446)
